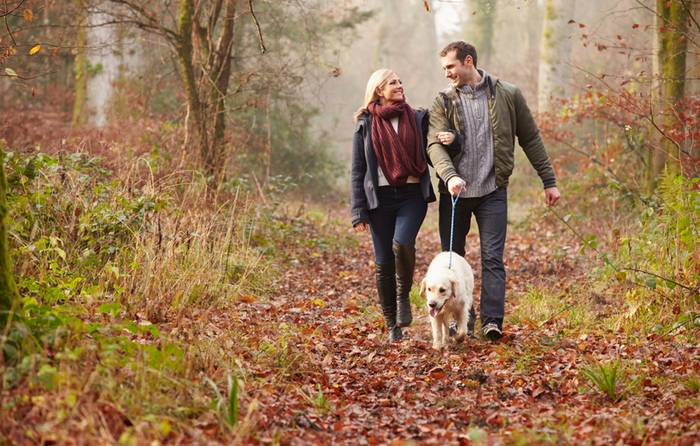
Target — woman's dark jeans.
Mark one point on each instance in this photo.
(400, 213)
(491, 212)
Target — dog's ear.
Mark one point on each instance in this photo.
(422, 288)
(454, 287)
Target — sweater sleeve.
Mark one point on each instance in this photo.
(358, 201)
(530, 140)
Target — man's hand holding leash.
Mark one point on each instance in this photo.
(456, 185)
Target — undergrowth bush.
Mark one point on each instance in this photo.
(662, 258)
(643, 246)
(110, 266)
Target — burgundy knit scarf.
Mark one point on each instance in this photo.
(399, 155)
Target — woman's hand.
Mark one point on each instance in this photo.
(360, 227)
(445, 138)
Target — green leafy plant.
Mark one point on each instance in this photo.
(226, 406)
(605, 376)
(318, 400)
(692, 383)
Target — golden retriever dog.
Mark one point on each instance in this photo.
(448, 292)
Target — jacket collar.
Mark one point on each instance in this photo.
(491, 82)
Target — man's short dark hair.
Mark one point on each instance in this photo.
(462, 49)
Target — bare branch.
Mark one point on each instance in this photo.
(7, 12)
(257, 25)
(7, 25)
(147, 22)
(26, 78)
(690, 14)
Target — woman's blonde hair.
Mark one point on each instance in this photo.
(376, 82)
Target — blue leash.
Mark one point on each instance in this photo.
(452, 224)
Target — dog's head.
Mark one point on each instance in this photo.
(437, 289)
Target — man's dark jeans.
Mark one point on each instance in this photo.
(491, 213)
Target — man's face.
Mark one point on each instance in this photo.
(456, 71)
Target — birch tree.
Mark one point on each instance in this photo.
(115, 53)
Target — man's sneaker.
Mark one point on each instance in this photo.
(491, 331)
(453, 330)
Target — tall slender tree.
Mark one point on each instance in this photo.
(692, 87)
(555, 52)
(80, 69)
(416, 37)
(479, 28)
(670, 48)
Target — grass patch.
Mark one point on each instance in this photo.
(605, 377)
(130, 287)
(540, 306)
(692, 384)
(418, 301)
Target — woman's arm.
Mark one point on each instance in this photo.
(358, 199)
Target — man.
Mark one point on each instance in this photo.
(481, 115)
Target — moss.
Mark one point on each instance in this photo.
(672, 26)
(81, 75)
(8, 290)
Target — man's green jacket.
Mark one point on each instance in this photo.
(510, 117)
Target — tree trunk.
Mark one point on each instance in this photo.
(221, 70)
(115, 54)
(80, 112)
(8, 290)
(692, 88)
(479, 28)
(184, 49)
(555, 53)
(417, 33)
(669, 81)
(207, 102)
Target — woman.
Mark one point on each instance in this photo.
(390, 189)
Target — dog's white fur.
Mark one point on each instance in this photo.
(448, 292)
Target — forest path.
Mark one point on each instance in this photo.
(338, 381)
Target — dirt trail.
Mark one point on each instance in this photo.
(526, 388)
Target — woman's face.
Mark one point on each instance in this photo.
(392, 90)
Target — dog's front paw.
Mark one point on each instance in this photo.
(437, 346)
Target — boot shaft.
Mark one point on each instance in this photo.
(405, 260)
(385, 275)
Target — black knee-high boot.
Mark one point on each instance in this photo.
(386, 287)
(405, 264)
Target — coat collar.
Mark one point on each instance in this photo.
(491, 81)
